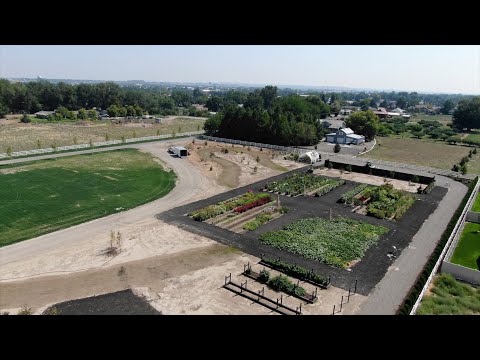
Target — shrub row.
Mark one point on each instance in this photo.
(428, 189)
(259, 202)
(412, 296)
(283, 283)
(297, 271)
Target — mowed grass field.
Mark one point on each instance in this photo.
(423, 152)
(49, 195)
(476, 204)
(450, 297)
(26, 136)
(468, 248)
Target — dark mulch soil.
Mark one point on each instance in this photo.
(118, 303)
(369, 271)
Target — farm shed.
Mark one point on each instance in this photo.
(345, 136)
(310, 157)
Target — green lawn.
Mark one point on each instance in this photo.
(468, 248)
(49, 195)
(335, 242)
(476, 204)
(450, 297)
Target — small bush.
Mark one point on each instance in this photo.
(25, 311)
(415, 179)
(455, 168)
(464, 160)
(225, 151)
(348, 168)
(464, 169)
(474, 151)
(264, 275)
(284, 210)
(337, 148)
(257, 159)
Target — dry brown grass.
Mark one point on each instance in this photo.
(425, 153)
(26, 136)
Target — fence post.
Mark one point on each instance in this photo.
(348, 295)
(355, 290)
(333, 309)
(341, 304)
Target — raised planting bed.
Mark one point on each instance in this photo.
(225, 206)
(297, 272)
(299, 183)
(335, 242)
(280, 283)
(257, 222)
(386, 202)
(325, 189)
(348, 197)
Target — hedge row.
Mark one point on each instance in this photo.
(416, 289)
(259, 202)
(297, 271)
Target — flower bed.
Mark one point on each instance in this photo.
(335, 242)
(224, 206)
(259, 201)
(298, 183)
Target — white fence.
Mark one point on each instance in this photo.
(453, 236)
(95, 144)
(254, 144)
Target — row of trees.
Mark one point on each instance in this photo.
(265, 117)
(42, 95)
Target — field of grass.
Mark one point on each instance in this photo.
(423, 152)
(444, 119)
(476, 204)
(450, 297)
(335, 242)
(475, 137)
(48, 195)
(26, 136)
(468, 248)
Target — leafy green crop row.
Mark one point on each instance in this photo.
(335, 242)
(347, 197)
(298, 183)
(283, 283)
(257, 222)
(329, 187)
(387, 202)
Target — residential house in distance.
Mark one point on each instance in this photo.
(381, 113)
(345, 136)
(44, 114)
(333, 125)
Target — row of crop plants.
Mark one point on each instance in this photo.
(335, 242)
(300, 183)
(238, 204)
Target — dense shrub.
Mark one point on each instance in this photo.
(255, 203)
(297, 271)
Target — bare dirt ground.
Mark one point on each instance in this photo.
(237, 167)
(186, 282)
(370, 179)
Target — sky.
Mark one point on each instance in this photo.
(422, 68)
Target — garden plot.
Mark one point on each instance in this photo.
(383, 202)
(370, 179)
(242, 213)
(303, 184)
(338, 242)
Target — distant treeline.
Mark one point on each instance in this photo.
(31, 97)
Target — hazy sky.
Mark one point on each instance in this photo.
(454, 69)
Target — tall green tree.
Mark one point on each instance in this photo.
(82, 114)
(92, 114)
(113, 111)
(467, 114)
(364, 123)
(448, 106)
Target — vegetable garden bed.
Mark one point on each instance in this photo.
(335, 242)
(299, 183)
(383, 202)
